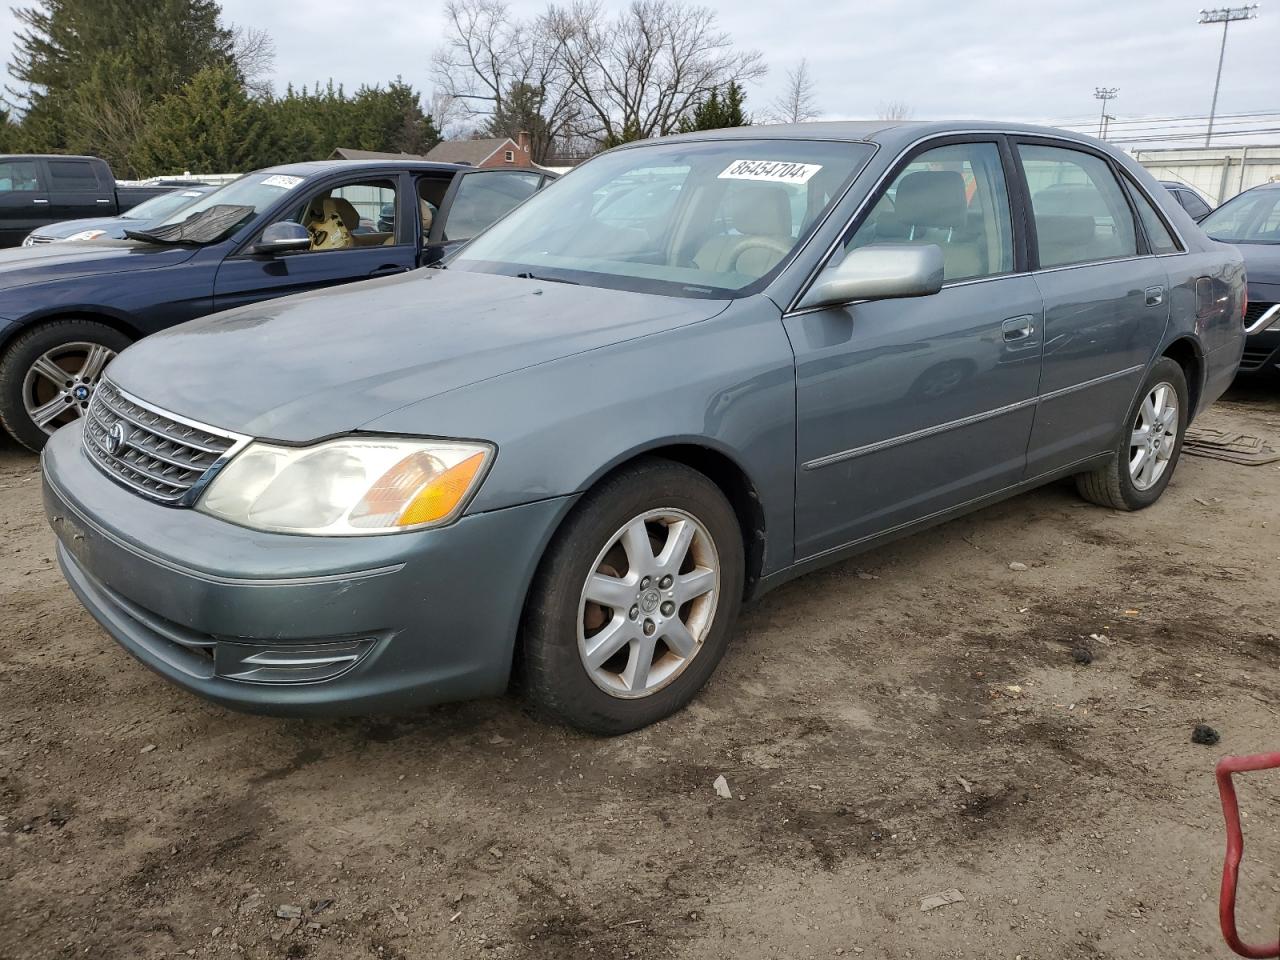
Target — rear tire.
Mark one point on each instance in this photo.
(659, 542)
(49, 373)
(1149, 449)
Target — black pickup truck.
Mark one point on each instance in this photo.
(40, 189)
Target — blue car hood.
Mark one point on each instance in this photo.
(329, 361)
(1262, 269)
(21, 266)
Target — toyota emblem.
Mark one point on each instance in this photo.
(116, 439)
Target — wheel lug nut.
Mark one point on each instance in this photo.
(644, 582)
(633, 612)
(649, 628)
(668, 608)
(665, 582)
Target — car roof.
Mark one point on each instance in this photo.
(311, 168)
(887, 133)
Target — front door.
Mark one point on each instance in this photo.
(356, 234)
(908, 408)
(1106, 303)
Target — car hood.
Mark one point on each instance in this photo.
(329, 361)
(115, 226)
(20, 266)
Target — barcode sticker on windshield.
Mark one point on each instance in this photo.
(774, 171)
(281, 180)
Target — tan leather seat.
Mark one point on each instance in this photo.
(760, 213)
(331, 222)
(930, 206)
(427, 212)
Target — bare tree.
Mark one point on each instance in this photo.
(895, 110)
(487, 55)
(797, 103)
(636, 74)
(255, 55)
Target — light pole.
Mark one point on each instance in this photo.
(1225, 16)
(1104, 94)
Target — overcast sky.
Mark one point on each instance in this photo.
(985, 59)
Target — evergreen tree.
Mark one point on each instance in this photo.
(521, 111)
(715, 112)
(210, 124)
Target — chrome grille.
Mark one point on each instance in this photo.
(1255, 312)
(161, 456)
(36, 240)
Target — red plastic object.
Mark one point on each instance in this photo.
(1235, 850)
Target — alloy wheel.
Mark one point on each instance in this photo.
(1154, 437)
(648, 603)
(59, 385)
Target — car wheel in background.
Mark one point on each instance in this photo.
(49, 373)
(634, 602)
(1150, 447)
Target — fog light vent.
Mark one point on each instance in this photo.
(288, 662)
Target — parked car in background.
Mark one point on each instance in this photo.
(579, 446)
(1251, 222)
(113, 228)
(1190, 199)
(68, 308)
(40, 189)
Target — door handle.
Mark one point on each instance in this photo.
(101, 200)
(1018, 328)
(38, 200)
(388, 270)
(1155, 296)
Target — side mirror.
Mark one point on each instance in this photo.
(285, 236)
(879, 271)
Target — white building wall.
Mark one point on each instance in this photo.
(1217, 172)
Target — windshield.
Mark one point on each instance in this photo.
(256, 190)
(163, 205)
(1252, 217)
(688, 219)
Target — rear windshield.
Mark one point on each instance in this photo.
(689, 219)
(1252, 217)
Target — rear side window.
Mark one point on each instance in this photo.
(954, 196)
(73, 175)
(1158, 234)
(1078, 206)
(19, 175)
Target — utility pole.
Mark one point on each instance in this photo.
(1104, 94)
(1225, 16)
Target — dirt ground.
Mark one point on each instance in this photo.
(908, 722)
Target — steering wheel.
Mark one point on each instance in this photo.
(755, 242)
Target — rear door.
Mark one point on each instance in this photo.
(475, 199)
(909, 408)
(1105, 297)
(24, 198)
(78, 189)
(362, 226)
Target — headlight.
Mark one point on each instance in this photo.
(85, 235)
(348, 487)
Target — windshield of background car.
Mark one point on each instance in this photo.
(163, 205)
(257, 190)
(1252, 217)
(686, 219)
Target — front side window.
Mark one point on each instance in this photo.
(1252, 217)
(19, 175)
(359, 214)
(709, 218)
(1079, 208)
(954, 196)
(484, 197)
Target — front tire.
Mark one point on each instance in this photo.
(634, 603)
(48, 375)
(1150, 447)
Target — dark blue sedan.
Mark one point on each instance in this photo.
(66, 309)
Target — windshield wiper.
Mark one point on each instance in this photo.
(530, 276)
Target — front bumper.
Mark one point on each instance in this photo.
(1262, 352)
(431, 616)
